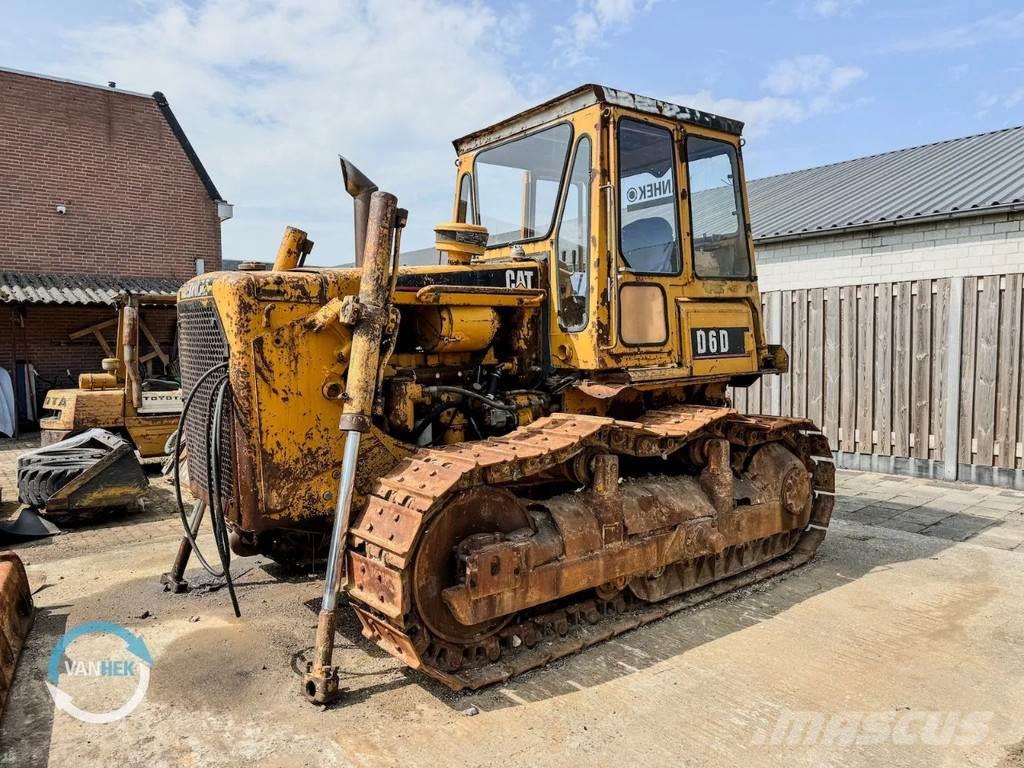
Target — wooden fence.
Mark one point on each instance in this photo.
(921, 376)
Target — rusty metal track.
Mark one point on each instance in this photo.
(385, 536)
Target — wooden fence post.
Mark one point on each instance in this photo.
(775, 337)
(954, 331)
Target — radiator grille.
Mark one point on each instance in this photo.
(201, 345)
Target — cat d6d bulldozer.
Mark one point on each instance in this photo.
(528, 447)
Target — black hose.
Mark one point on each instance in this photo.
(427, 420)
(186, 524)
(438, 390)
(213, 440)
(220, 529)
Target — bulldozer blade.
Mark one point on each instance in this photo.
(27, 526)
(16, 614)
(93, 470)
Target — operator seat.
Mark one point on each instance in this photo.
(649, 245)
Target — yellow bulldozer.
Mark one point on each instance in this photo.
(529, 447)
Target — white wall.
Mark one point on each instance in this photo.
(981, 245)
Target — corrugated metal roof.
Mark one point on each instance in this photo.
(33, 288)
(965, 176)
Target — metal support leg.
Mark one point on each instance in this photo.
(368, 315)
(321, 680)
(174, 579)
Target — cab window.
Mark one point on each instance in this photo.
(466, 214)
(574, 243)
(716, 210)
(648, 221)
(518, 184)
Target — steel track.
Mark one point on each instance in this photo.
(386, 533)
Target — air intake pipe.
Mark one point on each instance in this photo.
(360, 187)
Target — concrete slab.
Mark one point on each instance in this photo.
(890, 648)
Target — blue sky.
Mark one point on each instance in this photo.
(270, 91)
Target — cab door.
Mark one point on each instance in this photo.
(573, 261)
(719, 309)
(650, 238)
(670, 314)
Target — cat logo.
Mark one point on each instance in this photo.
(518, 278)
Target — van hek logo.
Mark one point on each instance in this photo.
(133, 661)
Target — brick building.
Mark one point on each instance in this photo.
(100, 192)
(954, 208)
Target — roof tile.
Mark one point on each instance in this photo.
(36, 288)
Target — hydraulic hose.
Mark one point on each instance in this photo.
(219, 390)
(220, 528)
(439, 390)
(177, 472)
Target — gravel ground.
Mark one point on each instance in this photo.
(900, 644)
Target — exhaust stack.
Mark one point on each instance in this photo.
(360, 187)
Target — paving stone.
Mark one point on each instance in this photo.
(950, 504)
(991, 537)
(900, 524)
(873, 515)
(924, 515)
(957, 527)
(986, 512)
(895, 506)
(998, 502)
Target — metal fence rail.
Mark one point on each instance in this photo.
(918, 376)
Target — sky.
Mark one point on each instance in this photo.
(269, 92)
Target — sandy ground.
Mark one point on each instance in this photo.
(901, 644)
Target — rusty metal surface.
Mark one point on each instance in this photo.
(16, 614)
(666, 549)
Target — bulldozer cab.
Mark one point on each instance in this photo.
(638, 210)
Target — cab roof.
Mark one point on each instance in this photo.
(586, 96)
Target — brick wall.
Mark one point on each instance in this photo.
(135, 204)
(39, 334)
(983, 245)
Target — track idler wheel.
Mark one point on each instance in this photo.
(480, 512)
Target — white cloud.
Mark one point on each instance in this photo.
(1005, 26)
(796, 89)
(759, 114)
(988, 100)
(593, 23)
(829, 8)
(270, 91)
(810, 74)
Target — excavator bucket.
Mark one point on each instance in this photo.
(93, 470)
(15, 618)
